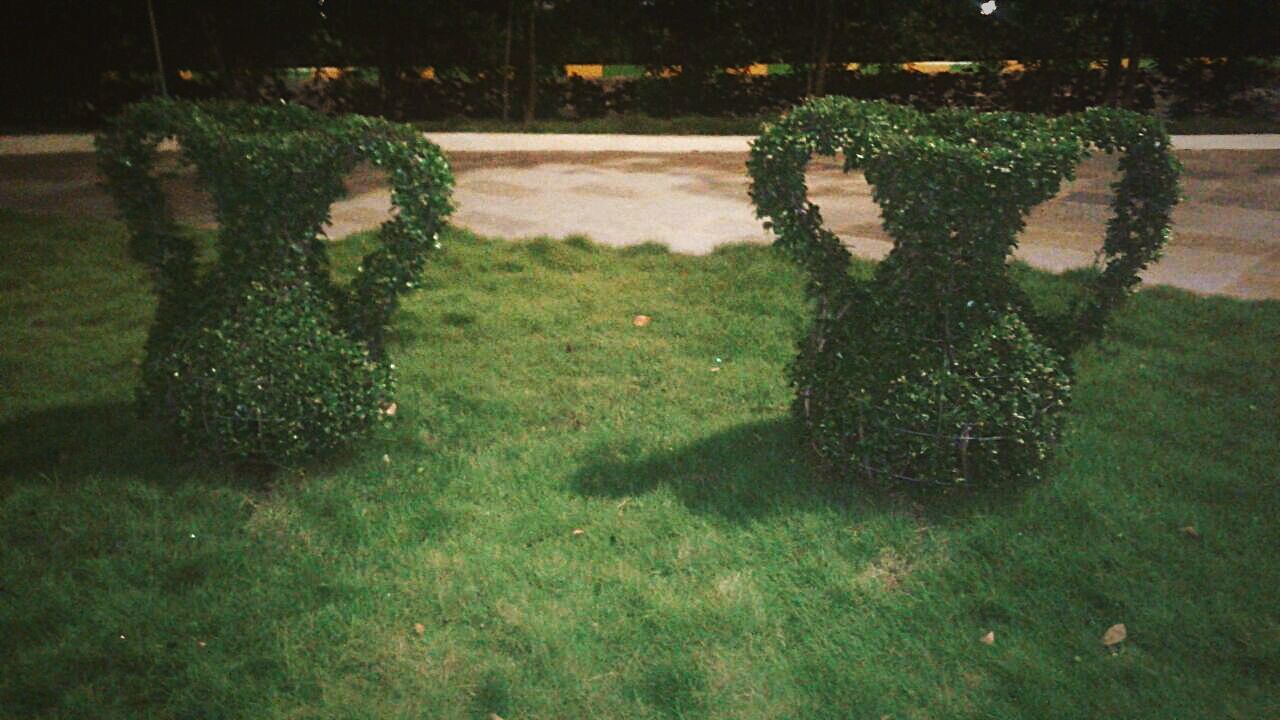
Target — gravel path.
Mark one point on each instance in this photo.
(572, 142)
(690, 192)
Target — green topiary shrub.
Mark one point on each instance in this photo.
(273, 380)
(262, 357)
(938, 369)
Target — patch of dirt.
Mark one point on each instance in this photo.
(1226, 231)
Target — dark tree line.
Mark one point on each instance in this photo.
(65, 46)
(233, 34)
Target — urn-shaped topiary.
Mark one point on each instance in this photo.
(261, 356)
(938, 369)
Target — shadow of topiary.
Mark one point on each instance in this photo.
(72, 443)
(76, 441)
(760, 469)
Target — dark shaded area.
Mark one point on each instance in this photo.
(72, 443)
(77, 441)
(70, 64)
(758, 469)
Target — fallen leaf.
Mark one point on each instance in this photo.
(578, 532)
(989, 638)
(1191, 532)
(1114, 635)
(420, 629)
(201, 643)
(390, 410)
(641, 320)
(494, 716)
(715, 369)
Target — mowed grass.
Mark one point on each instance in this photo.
(439, 572)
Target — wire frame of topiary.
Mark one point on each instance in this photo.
(303, 358)
(938, 369)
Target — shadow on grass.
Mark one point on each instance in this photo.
(762, 468)
(76, 442)
(743, 473)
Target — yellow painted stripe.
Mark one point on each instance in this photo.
(932, 67)
(584, 71)
(928, 67)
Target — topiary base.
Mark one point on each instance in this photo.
(268, 382)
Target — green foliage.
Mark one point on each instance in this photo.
(939, 369)
(263, 356)
(273, 381)
(714, 576)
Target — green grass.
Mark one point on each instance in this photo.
(623, 71)
(715, 576)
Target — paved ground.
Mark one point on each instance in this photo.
(553, 142)
(620, 190)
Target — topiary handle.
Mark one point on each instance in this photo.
(870, 131)
(1143, 204)
(777, 164)
(421, 182)
(126, 153)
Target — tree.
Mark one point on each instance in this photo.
(531, 41)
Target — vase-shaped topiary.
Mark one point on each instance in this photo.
(938, 369)
(261, 356)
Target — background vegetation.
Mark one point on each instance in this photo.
(92, 56)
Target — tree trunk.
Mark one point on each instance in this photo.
(1131, 74)
(215, 49)
(506, 63)
(155, 41)
(810, 72)
(1115, 52)
(531, 99)
(828, 11)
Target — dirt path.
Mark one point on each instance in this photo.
(1226, 231)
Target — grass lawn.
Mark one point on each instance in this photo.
(438, 572)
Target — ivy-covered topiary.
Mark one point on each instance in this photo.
(262, 356)
(938, 369)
